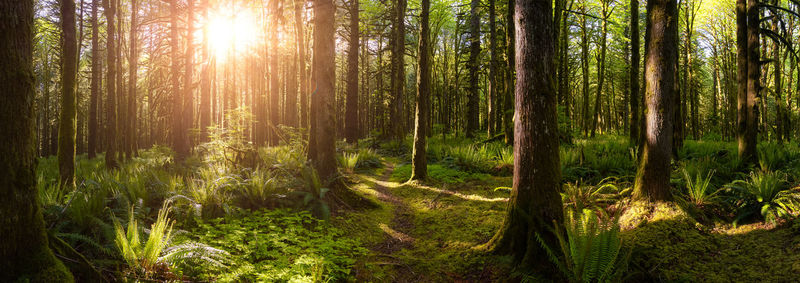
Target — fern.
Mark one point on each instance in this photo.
(590, 247)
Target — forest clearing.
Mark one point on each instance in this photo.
(399, 141)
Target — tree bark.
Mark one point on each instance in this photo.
(419, 159)
(95, 84)
(398, 70)
(535, 203)
(69, 72)
(508, 99)
(110, 7)
(652, 177)
(324, 67)
(746, 128)
(601, 68)
(24, 251)
(187, 102)
(585, 70)
(351, 115)
(205, 81)
(133, 77)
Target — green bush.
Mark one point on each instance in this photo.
(766, 193)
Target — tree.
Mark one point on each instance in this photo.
(324, 68)
(508, 99)
(187, 118)
(398, 69)
(601, 69)
(110, 7)
(24, 251)
(747, 43)
(133, 65)
(301, 61)
(652, 177)
(535, 202)
(635, 125)
(492, 97)
(205, 80)
(69, 72)
(351, 117)
(474, 51)
(419, 161)
(178, 129)
(95, 84)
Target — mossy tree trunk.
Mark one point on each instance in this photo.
(110, 8)
(69, 72)
(535, 202)
(652, 178)
(419, 157)
(24, 251)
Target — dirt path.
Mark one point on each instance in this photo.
(397, 233)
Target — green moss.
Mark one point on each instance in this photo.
(670, 246)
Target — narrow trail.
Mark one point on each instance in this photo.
(397, 233)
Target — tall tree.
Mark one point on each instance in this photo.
(492, 97)
(508, 99)
(633, 76)
(95, 84)
(274, 74)
(652, 177)
(324, 68)
(601, 63)
(419, 160)
(205, 80)
(535, 201)
(748, 75)
(178, 131)
(110, 7)
(299, 6)
(133, 77)
(24, 251)
(585, 70)
(69, 72)
(473, 122)
(398, 69)
(351, 117)
(187, 105)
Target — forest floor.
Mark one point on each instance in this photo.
(431, 231)
(423, 233)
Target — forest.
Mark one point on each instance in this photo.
(399, 141)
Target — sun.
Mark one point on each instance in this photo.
(231, 33)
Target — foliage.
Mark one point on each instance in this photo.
(590, 248)
(596, 198)
(699, 191)
(143, 259)
(766, 193)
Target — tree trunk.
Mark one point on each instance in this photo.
(635, 131)
(652, 178)
(508, 100)
(24, 251)
(473, 122)
(69, 72)
(324, 67)
(95, 84)
(398, 70)
(178, 130)
(133, 64)
(419, 159)
(351, 117)
(111, 101)
(492, 97)
(274, 75)
(299, 6)
(746, 131)
(535, 202)
(585, 70)
(205, 81)
(188, 96)
(601, 68)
